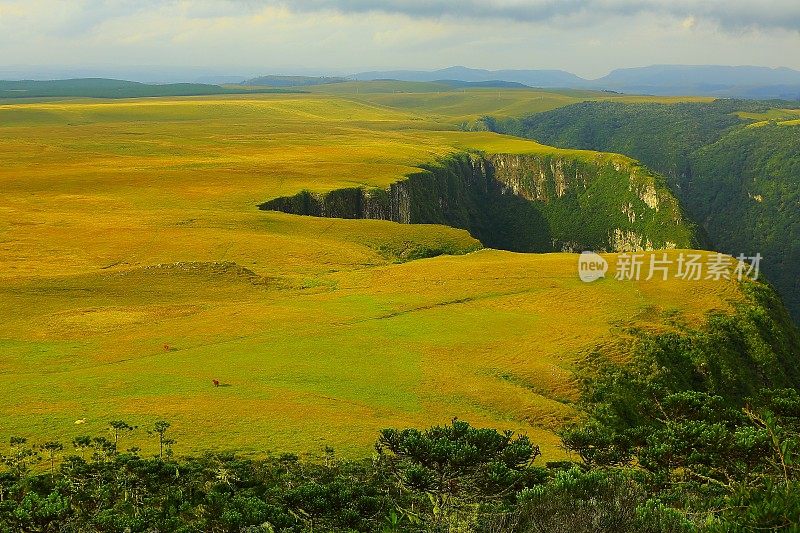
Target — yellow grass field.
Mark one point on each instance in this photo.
(778, 115)
(135, 268)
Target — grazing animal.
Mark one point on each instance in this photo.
(216, 382)
(81, 421)
(166, 347)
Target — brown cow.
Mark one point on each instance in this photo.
(216, 382)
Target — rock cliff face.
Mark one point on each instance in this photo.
(521, 202)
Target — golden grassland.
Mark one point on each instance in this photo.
(771, 114)
(793, 122)
(448, 105)
(784, 117)
(127, 226)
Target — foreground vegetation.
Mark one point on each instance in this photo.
(698, 430)
(730, 470)
(684, 437)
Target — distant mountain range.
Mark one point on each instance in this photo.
(703, 80)
(292, 81)
(662, 80)
(489, 83)
(712, 80)
(531, 78)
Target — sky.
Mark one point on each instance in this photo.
(188, 38)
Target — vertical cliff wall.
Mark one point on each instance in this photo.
(521, 202)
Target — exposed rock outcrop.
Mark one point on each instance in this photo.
(520, 202)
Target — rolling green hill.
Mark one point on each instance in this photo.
(105, 88)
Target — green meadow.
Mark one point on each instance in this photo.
(135, 268)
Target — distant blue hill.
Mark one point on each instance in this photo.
(490, 84)
(700, 80)
(292, 81)
(531, 78)
(710, 80)
(682, 75)
(663, 80)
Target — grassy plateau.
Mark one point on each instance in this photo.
(135, 268)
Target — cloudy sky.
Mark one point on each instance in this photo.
(248, 37)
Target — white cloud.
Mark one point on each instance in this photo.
(588, 37)
(784, 14)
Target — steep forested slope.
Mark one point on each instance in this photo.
(740, 182)
(745, 190)
(662, 136)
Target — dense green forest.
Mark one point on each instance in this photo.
(737, 469)
(699, 432)
(740, 184)
(661, 136)
(745, 190)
